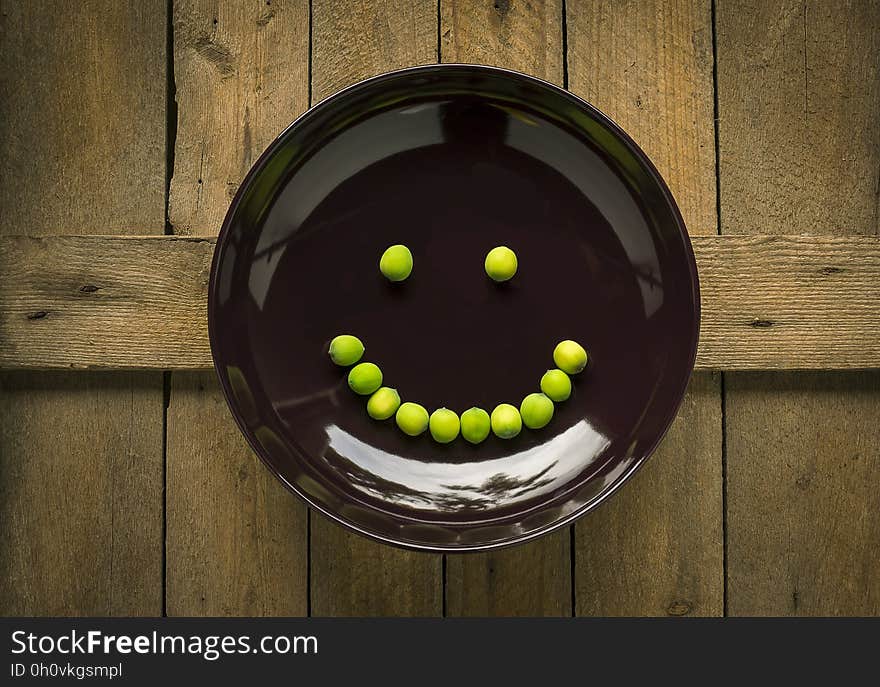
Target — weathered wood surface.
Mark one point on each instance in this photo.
(525, 36)
(82, 101)
(236, 540)
(351, 575)
(533, 579)
(354, 40)
(648, 65)
(803, 507)
(768, 302)
(798, 88)
(656, 548)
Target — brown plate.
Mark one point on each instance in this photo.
(452, 160)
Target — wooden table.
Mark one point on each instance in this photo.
(125, 489)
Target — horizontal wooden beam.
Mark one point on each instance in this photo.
(104, 302)
(114, 302)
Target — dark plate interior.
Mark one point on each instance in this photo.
(452, 160)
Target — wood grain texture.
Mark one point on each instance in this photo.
(241, 72)
(655, 548)
(515, 34)
(789, 303)
(648, 65)
(82, 102)
(83, 105)
(105, 298)
(355, 40)
(351, 575)
(81, 494)
(97, 302)
(798, 92)
(236, 541)
(798, 87)
(803, 505)
(533, 579)
(250, 562)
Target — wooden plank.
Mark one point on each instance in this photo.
(803, 509)
(525, 36)
(779, 297)
(251, 561)
(236, 540)
(81, 494)
(350, 574)
(798, 87)
(107, 302)
(241, 72)
(782, 302)
(656, 548)
(82, 102)
(533, 579)
(356, 40)
(648, 65)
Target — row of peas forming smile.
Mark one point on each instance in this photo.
(506, 420)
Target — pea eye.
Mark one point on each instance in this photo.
(501, 264)
(396, 263)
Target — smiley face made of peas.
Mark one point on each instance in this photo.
(506, 420)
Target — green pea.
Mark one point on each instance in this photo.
(536, 410)
(506, 421)
(501, 263)
(346, 350)
(556, 384)
(365, 378)
(396, 263)
(383, 403)
(570, 356)
(475, 425)
(444, 425)
(412, 419)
